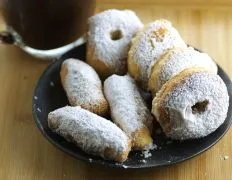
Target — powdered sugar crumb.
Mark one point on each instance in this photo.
(146, 153)
(38, 109)
(52, 84)
(226, 157)
(35, 97)
(90, 159)
(143, 161)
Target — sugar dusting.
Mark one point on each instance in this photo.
(177, 61)
(82, 84)
(197, 87)
(147, 152)
(52, 84)
(225, 157)
(90, 132)
(127, 106)
(113, 53)
(143, 161)
(147, 47)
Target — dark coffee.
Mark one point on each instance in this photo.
(47, 24)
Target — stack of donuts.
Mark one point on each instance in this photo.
(124, 57)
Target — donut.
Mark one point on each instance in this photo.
(91, 133)
(173, 62)
(192, 104)
(109, 38)
(148, 45)
(128, 110)
(83, 86)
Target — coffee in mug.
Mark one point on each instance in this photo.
(48, 24)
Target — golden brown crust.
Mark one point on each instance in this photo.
(63, 73)
(133, 68)
(102, 70)
(101, 108)
(155, 70)
(142, 139)
(110, 154)
(100, 67)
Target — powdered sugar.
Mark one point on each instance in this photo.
(127, 106)
(148, 45)
(113, 52)
(143, 161)
(52, 84)
(90, 132)
(82, 84)
(146, 153)
(39, 110)
(184, 121)
(174, 62)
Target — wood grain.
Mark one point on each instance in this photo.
(26, 155)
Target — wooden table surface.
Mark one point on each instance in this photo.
(26, 155)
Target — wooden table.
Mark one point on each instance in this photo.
(26, 155)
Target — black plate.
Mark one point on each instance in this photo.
(49, 95)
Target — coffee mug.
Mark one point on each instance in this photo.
(46, 28)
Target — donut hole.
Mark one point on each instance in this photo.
(199, 107)
(116, 35)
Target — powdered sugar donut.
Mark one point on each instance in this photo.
(83, 86)
(109, 38)
(93, 134)
(128, 110)
(192, 104)
(173, 62)
(147, 47)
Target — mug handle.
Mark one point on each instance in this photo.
(6, 38)
(12, 37)
(53, 54)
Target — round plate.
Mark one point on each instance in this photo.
(49, 95)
